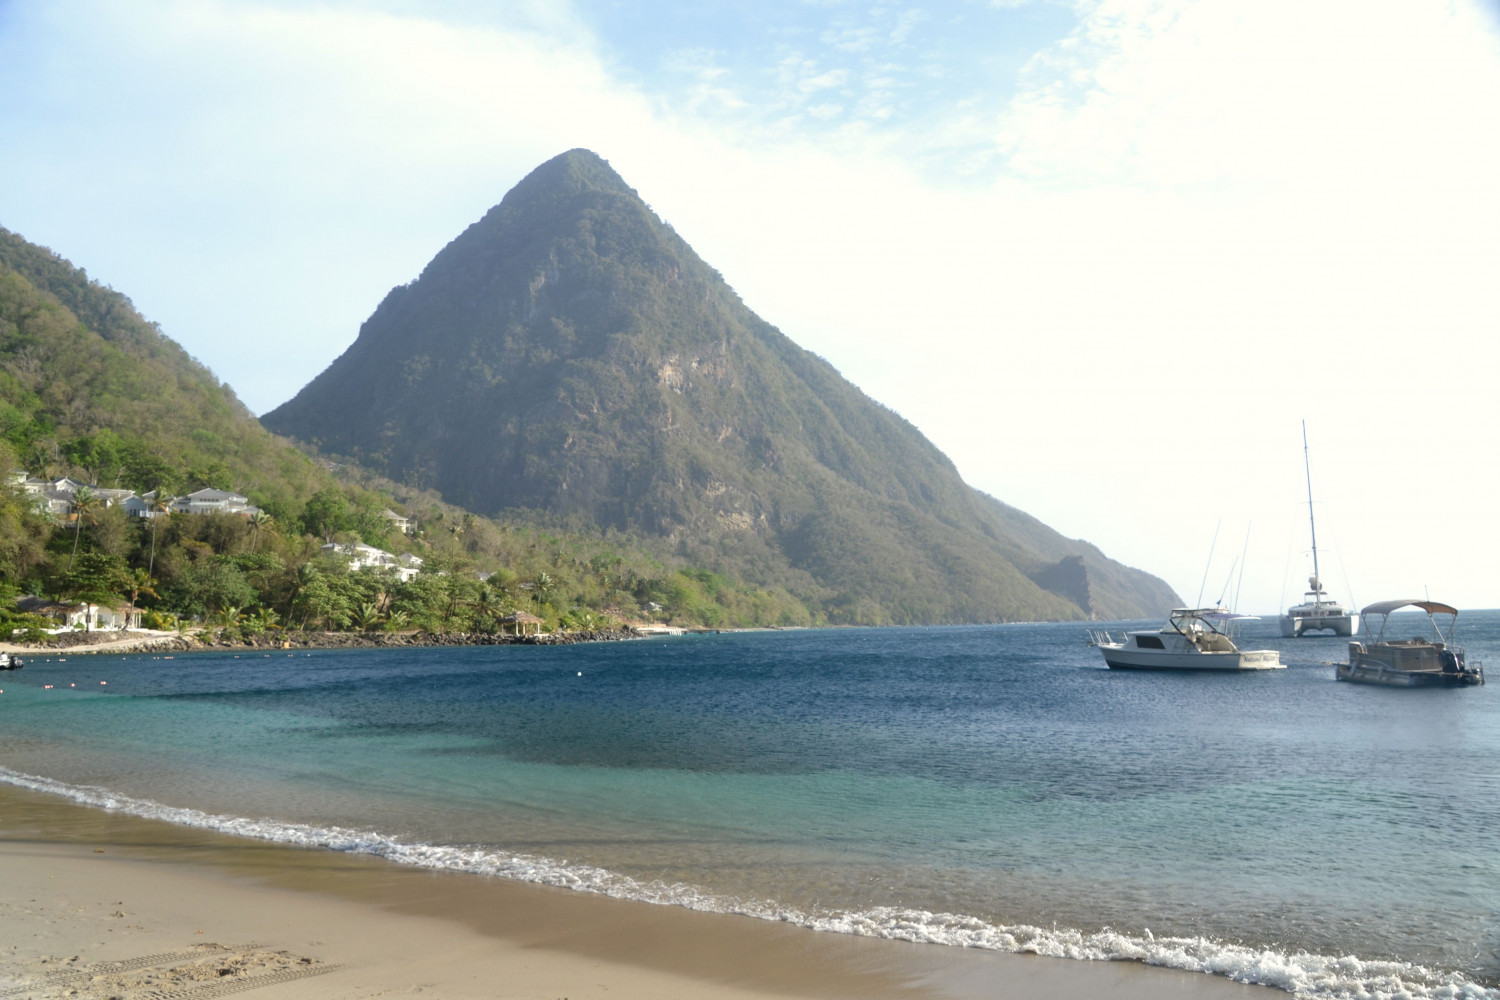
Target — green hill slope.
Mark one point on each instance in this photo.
(90, 389)
(87, 384)
(570, 356)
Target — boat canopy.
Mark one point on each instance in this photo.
(1431, 607)
(1212, 614)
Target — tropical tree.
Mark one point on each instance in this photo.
(320, 604)
(226, 614)
(366, 617)
(260, 521)
(140, 581)
(18, 624)
(24, 531)
(259, 621)
(488, 606)
(96, 578)
(210, 584)
(326, 513)
(86, 505)
(157, 508)
(305, 575)
(458, 593)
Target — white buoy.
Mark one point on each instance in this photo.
(580, 673)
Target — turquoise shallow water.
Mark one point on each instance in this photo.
(983, 786)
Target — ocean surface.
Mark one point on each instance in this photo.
(991, 787)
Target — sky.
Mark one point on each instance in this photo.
(1108, 255)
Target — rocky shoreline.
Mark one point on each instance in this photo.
(137, 642)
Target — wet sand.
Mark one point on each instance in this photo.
(96, 905)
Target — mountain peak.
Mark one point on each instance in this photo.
(570, 356)
(576, 170)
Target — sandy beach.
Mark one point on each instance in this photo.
(98, 905)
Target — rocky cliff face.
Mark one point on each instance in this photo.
(570, 354)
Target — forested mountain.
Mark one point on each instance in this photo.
(569, 356)
(89, 389)
(89, 386)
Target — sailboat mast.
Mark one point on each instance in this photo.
(1311, 523)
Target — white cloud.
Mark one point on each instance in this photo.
(1213, 220)
(1215, 228)
(304, 160)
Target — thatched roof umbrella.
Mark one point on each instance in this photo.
(520, 623)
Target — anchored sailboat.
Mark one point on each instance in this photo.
(1317, 612)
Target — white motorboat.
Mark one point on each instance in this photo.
(1192, 639)
(1317, 612)
(1414, 662)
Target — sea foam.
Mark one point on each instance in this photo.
(1301, 973)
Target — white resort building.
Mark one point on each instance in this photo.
(362, 556)
(56, 497)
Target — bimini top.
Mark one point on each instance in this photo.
(1431, 607)
(1214, 614)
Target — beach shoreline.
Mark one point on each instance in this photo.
(87, 893)
(148, 641)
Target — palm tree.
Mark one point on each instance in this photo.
(258, 622)
(367, 617)
(267, 618)
(86, 504)
(140, 582)
(260, 521)
(306, 574)
(157, 507)
(453, 591)
(487, 607)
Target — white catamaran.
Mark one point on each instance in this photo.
(1317, 612)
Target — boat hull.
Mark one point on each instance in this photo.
(1388, 676)
(1294, 626)
(1120, 658)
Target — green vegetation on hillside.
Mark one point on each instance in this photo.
(570, 357)
(89, 389)
(89, 386)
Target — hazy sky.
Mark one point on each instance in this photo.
(1107, 254)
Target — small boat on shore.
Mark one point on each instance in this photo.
(1414, 662)
(1192, 639)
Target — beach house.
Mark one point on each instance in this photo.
(211, 501)
(87, 615)
(362, 556)
(57, 497)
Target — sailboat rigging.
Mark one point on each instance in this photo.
(1317, 612)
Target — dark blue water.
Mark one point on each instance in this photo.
(987, 786)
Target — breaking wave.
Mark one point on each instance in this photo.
(1301, 973)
